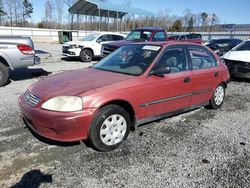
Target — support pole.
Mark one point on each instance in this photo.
(108, 20)
(86, 20)
(78, 25)
(99, 19)
(117, 27)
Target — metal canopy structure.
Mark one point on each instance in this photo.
(105, 9)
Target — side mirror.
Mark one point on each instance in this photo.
(160, 71)
(99, 41)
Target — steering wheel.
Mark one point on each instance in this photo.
(143, 66)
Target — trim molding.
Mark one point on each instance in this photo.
(168, 114)
(173, 98)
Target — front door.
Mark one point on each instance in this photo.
(171, 91)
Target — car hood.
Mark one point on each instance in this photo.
(238, 56)
(75, 83)
(76, 43)
(120, 43)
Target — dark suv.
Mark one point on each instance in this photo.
(220, 46)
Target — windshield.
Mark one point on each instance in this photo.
(139, 35)
(244, 46)
(130, 60)
(89, 37)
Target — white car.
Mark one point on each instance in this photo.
(89, 46)
(238, 60)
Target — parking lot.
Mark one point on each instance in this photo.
(201, 148)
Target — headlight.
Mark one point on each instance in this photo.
(74, 46)
(64, 104)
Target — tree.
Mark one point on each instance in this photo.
(191, 24)
(177, 26)
(27, 10)
(48, 13)
(204, 16)
(59, 8)
(2, 12)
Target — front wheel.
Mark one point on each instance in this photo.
(4, 74)
(218, 97)
(110, 127)
(86, 55)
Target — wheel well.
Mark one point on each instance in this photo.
(124, 104)
(224, 84)
(2, 60)
(89, 50)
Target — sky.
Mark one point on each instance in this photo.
(229, 11)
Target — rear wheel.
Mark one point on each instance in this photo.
(86, 55)
(218, 97)
(4, 74)
(110, 127)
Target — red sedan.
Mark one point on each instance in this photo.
(136, 84)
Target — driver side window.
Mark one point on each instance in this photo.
(175, 59)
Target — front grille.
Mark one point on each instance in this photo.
(107, 50)
(65, 49)
(31, 99)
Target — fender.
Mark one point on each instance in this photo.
(7, 59)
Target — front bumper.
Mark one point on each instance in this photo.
(238, 68)
(71, 52)
(59, 126)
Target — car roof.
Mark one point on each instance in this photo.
(150, 29)
(167, 43)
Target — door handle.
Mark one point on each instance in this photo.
(216, 74)
(187, 79)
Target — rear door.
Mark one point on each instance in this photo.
(205, 74)
(171, 91)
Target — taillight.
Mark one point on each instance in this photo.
(25, 49)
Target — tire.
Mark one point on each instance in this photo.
(218, 97)
(4, 74)
(106, 136)
(86, 55)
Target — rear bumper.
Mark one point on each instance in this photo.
(65, 127)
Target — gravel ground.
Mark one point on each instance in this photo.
(202, 148)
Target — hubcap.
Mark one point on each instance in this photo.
(113, 129)
(219, 95)
(86, 56)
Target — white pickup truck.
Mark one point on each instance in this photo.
(89, 46)
(15, 52)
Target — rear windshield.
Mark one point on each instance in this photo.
(139, 35)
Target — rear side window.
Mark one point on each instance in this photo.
(104, 38)
(117, 37)
(159, 36)
(201, 58)
(193, 36)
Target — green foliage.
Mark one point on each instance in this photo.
(28, 8)
(2, 12)
(177, 26)
(204, 16)
(191, 24)
(41, 25)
